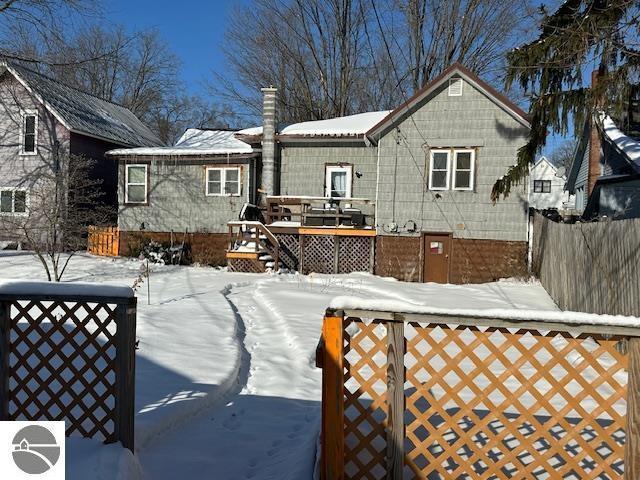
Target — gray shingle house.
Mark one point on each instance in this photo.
(403, 193)
(605, 173)
(43, 119)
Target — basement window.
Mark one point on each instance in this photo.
(136, 183)
(223, 181)
(13, 201)
(542, 186)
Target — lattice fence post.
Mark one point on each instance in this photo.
(125, 372)
(632, 442)
(395, 400)
(333, 397)
(5, 329)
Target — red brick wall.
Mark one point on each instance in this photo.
(479, 261)
(206, 248)
(398, 257)
(472, 261)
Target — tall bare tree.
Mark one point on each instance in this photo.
(336, 57)
(63, 200)
(39, 22)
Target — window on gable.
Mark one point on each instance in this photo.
(463, 164)
(136, 186)
(542, 186)
(13, 201)
(455, 87)
(223, 181)
(439, 170)
(29, 133)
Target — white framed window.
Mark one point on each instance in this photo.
(455, 87)
(223, 181)
(439, 166)
(14, 201)
(463, 166)
(338, 181)
(29, 133)
(542, 186)
(136, 183)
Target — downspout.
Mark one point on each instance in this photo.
(375, 206)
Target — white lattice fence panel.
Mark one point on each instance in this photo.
(318, 254)
(289, 250)
(246, 265)
(354, 254)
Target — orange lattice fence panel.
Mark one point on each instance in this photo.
(505, 403)
(478, 402)
(104, 241)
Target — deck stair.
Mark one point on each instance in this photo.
(252, 240)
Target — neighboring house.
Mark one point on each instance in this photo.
(194, 187)
(43, 120)
(546, 187)
(605, 173)
(403, 193)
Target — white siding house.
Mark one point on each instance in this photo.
(546, 187)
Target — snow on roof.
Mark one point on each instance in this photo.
(28, 287)
(195, 142)
(85, 113)
(627, 145)
(250, 131)
(543, 316)
(350, 125)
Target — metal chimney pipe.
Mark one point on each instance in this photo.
(268, 177)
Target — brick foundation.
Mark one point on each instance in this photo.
(399, 257)
(206, 248)
(480, 261)
(472, 261)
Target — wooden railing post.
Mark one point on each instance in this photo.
(632, 442)
(332, 461)
(125, 372)
(5, 329)
(395, 400)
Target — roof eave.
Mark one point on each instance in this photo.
(516, 112)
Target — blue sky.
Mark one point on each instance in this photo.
(194, 29)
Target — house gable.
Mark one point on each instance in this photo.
(453, 124)
(83, 113)
(436, 86)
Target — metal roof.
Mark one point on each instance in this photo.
(84, 113)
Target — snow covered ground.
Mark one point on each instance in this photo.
(226, 384)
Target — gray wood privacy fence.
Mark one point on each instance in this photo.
(589, 267)
(69, 358)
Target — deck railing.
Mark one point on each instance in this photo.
(442, 396)
(256, 237)
(321, 211)
(68, 354)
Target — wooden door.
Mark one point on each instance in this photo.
(437, 253)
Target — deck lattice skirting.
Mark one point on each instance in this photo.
(327, 253)
(425, 396)
(71, 359)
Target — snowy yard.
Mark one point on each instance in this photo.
(226, 382)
